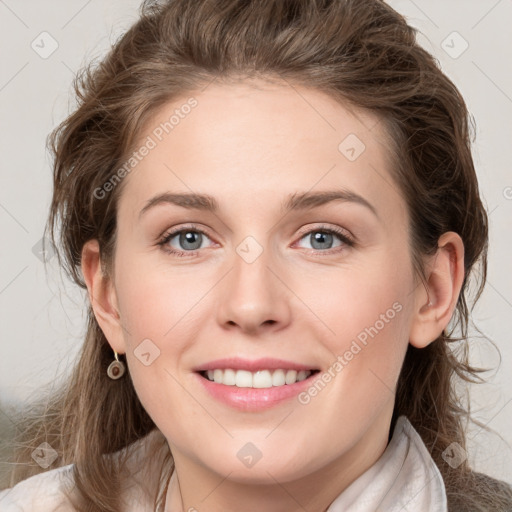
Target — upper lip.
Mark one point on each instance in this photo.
(253, 365)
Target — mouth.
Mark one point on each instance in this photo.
(260, 379)
(254, 385)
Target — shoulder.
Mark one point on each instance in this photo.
(53, 490)
(497, 486)
(483, 493)
(42, 492)
(478, 492)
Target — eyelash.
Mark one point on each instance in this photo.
(347, 240)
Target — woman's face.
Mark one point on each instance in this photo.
(264, 282)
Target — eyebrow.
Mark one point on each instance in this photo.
(294, 202)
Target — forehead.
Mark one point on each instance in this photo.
(256, 139)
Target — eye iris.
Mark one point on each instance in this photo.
(322, 238)
(188, 237)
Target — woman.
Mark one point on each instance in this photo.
(258, 368)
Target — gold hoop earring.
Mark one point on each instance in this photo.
(116, 369)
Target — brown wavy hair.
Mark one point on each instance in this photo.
(360, 52)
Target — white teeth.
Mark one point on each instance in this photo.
(291, 376)
(259, 379)
(229, 377)
(243, 379)
(302, 375)
(278, 378)
(262, 379)
(217, 376)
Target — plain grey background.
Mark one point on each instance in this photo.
(42, 316)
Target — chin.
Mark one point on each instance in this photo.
(265, 470)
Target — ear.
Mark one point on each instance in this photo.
(102, 296)
(445, 277)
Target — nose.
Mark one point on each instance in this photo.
(254, 297)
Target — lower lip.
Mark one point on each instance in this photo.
(254, 399)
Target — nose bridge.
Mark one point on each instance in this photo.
(253, 296)
(251, 266)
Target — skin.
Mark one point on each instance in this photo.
(250, 145)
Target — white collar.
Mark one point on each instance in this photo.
(404, 478)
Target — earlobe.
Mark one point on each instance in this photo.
(102, 296)
(434, 307)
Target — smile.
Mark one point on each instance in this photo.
(259, 379)
(254, 385)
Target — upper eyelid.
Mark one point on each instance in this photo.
(325, 227)
(173, 232)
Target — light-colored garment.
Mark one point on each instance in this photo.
(404, 479)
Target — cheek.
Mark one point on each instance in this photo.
(155, 303)
(160, 314)
(367, 311)
(364, 301)
(369, 353)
